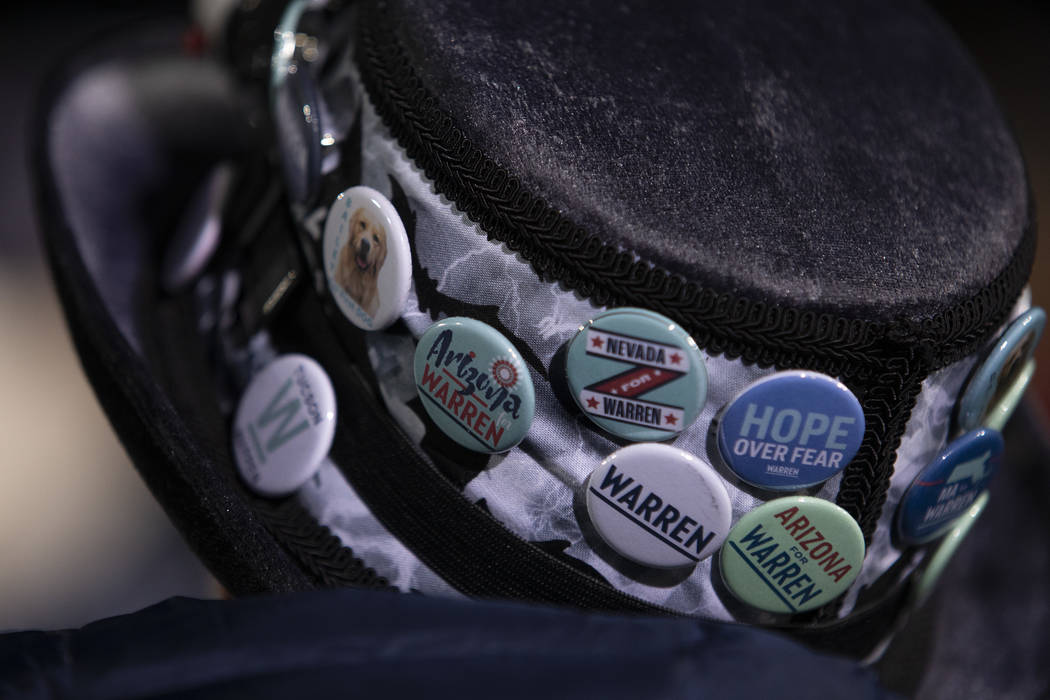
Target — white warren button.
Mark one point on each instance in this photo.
(658, 505)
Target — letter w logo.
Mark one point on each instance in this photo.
(284, 412)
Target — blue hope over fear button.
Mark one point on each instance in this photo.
(790, 430)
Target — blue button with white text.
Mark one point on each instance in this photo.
(946, 488)
(790, 430)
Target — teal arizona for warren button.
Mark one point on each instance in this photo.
(637, 374)
(474, 385)
(792, 554)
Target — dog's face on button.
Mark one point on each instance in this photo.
(360, 260)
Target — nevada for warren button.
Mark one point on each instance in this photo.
(637, 374)
(474, 385)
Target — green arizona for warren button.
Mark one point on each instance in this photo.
(792, 554)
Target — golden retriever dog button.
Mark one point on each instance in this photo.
(367, 259)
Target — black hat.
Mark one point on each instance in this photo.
(819, 204)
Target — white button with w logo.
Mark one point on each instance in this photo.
(284, 425)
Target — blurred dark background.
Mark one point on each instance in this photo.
(80, 537)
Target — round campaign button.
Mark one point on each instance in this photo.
(284, 425)
(367, 258)
(658, 505)
(790, 430)
(637, 374)
(792, 554)
(993, 387)
(474, 384)
(948, 486)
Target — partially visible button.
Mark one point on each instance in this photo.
(474, 384)
(948, 486)
(999, 414)
(637, 374)
(198, 232)
(294, 101)
(946, 550)
(790, 430)
(284, 425)
(791, 555)
(658, 505)
(367, 258)
(991, 387)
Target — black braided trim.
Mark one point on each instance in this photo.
(887, 407)
(561, 251)
(322, 554)
(883, 363)
(934, 344)
(953, 336)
